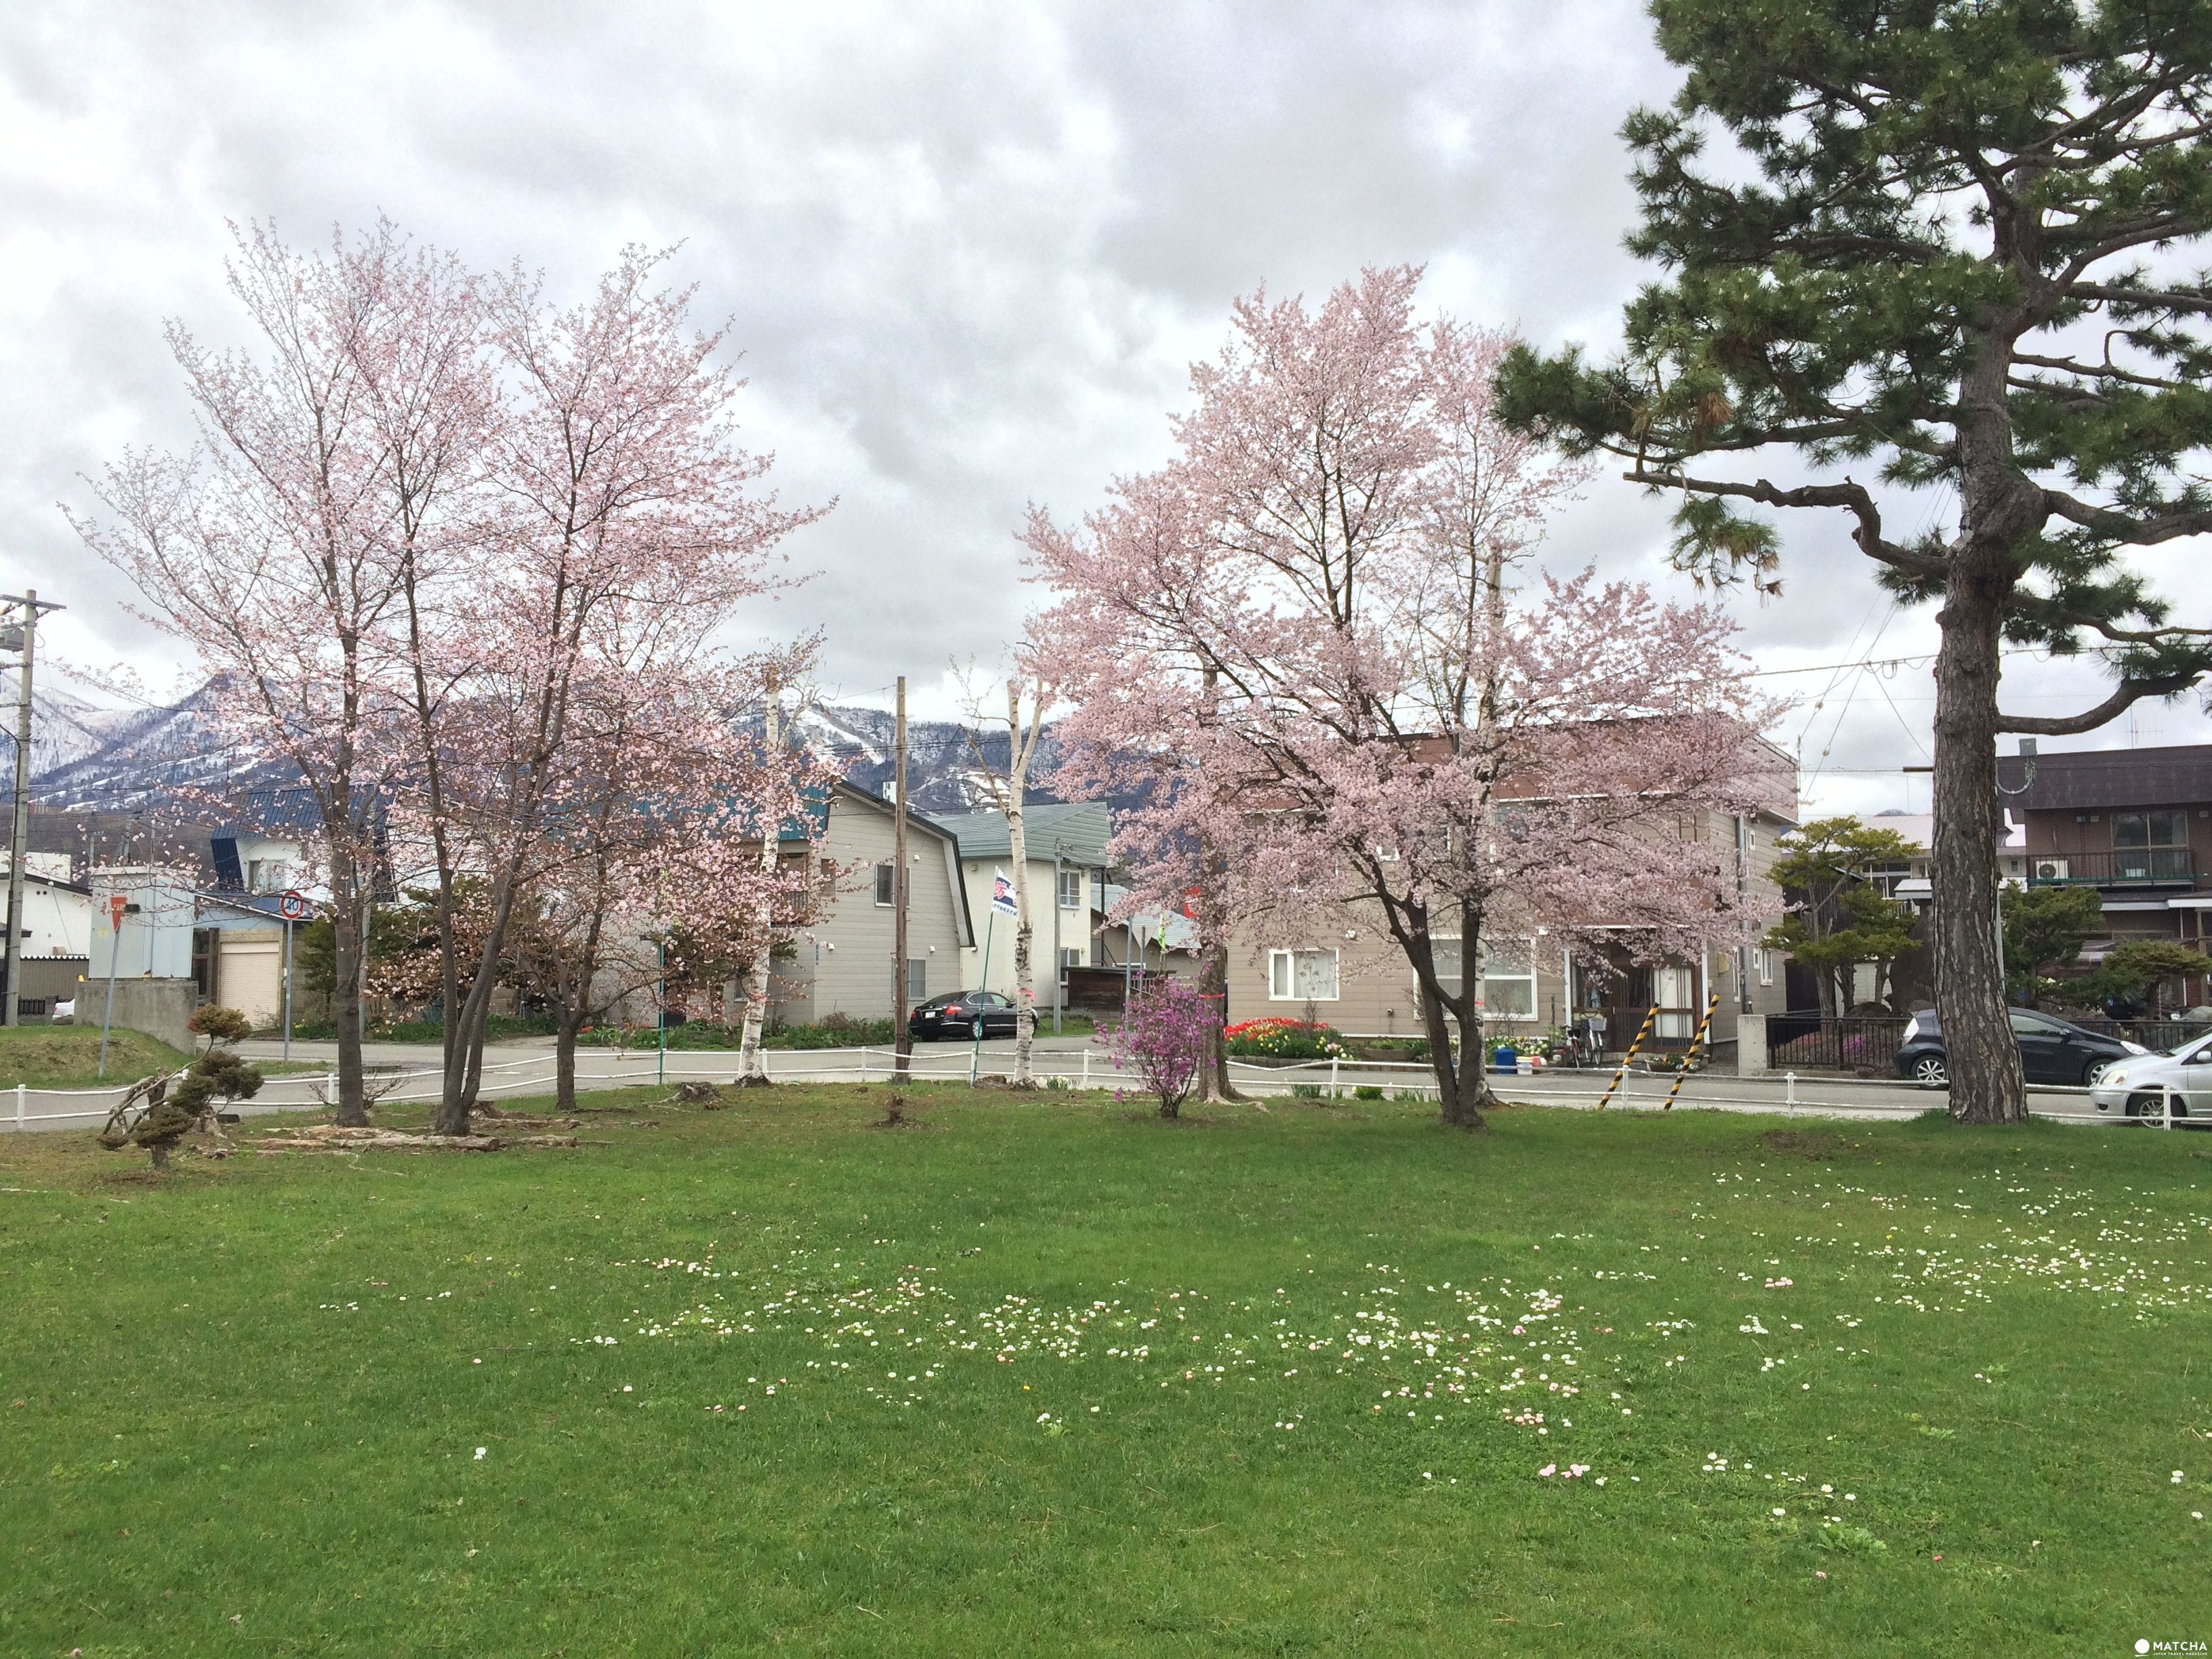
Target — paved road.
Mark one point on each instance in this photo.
(526, 1068)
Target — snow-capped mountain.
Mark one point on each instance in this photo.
(93, 760)
(86, 759)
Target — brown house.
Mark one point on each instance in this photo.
(1356, 979)
(2133, 825)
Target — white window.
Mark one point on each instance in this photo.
(1070, 957)
(1071, 890)
(1302, 975)
(1508, 979)
(917, 979)
(1765, 959)
(886, 879)
(1671, 988)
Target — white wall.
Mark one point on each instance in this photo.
(56, 922)
(280, 861)
(157, 938)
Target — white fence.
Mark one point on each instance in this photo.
(1785, 1093)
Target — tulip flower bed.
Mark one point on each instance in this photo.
(1055, 1373)
(1284, 1039)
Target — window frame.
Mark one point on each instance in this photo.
(2144, 821)
(1490, 1010)
(1336, 974)
(886, 883)
(1070, 883)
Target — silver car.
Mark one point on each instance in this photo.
(2137, 1087)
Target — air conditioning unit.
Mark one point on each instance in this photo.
(2050, 869)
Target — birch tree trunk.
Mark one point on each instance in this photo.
(752, 1062)
(1017, 771)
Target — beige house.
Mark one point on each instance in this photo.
(842, 963)
(1356, 978)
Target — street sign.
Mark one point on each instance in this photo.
(293, 907)
(117, 904)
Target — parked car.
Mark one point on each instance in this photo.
(2137, 1088)
(2051, 1051)
(962, 1014)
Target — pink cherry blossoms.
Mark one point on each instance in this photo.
(1314, 638)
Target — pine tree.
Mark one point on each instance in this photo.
(1946, 249)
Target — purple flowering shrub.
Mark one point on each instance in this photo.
(1164, 1037)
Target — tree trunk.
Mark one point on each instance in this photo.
(753, 1060)
(159, 1151)
(1213, 1082)
(1984, 1059)
(564, 1059)
(347, 950)
(1024, 988)
(1461, 1092)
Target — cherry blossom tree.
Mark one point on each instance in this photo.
(648, 870)
(631, 529)
(424, 510)
(1314, 630)
(268, 549)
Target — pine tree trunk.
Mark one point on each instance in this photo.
(1986, 1083)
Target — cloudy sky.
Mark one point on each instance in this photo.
(968, 252)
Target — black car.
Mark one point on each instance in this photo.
(963, 1015)
(2051, 1051)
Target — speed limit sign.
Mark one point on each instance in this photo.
(293, 907)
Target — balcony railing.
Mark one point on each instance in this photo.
(2167, 866)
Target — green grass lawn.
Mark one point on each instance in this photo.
(1052, 1376)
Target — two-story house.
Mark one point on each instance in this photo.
(2132, 825)
(1356, 979)
(842, 963)
(1066, 881)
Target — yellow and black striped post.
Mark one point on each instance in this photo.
(1642, 1031)
(1696, 1043)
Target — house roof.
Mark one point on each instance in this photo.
(1078, 830)
(2175, 774)
(33, 879)
(817, 810)
(949, 844)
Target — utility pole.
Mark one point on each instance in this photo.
(902, 1038)
(22, 636)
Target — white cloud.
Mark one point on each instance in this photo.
(968, 252)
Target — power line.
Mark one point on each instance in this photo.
(1880, 662)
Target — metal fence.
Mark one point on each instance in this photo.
(2151, 1033)
(1785, 1095)
(1844, 1043)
